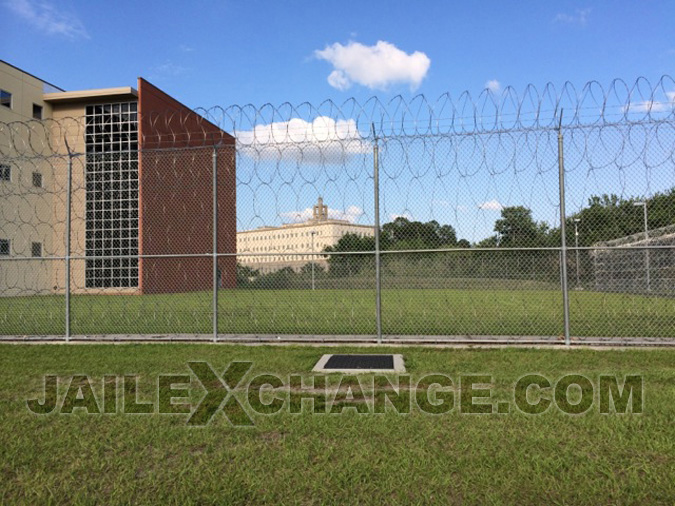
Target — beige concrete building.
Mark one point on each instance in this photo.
(269, 249)
(124, 176)
(27, 204)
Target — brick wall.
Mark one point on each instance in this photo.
(176, 213)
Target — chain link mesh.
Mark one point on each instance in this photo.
(470, 245)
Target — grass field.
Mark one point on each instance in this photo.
(411, 312)
(553, 458)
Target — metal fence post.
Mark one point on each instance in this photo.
(563, 239)
(215, 244)
(646, 225)
(378, 280)
(68, 233)
(313, 233)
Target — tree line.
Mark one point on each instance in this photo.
(605, 218)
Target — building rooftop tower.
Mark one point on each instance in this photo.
(320, 211)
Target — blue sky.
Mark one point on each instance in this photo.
(223, 53)
(220, 53)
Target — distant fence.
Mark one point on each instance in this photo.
(539, 217)
(639, 263)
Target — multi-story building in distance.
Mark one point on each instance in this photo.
(139, 165)
(268, 249)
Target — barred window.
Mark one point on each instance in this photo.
(4, 247)
(5, 172)
(37, 180)
(6, 99)
(111, 195)
(36, 249)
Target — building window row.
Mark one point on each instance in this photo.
(6, 247)
(254, 238)
(6, 175)
(270, 259)
(6, 101)
(279, 236)
(291, 247)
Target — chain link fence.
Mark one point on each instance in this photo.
(541, 217)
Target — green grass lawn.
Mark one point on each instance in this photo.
(410, 312)
(307, 458)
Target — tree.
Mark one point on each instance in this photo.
(341, 265)
(278, 280)
(662, 209)
(400, 234)
(610, 217)
(245, 274)
(516, 228)
(415, 235)
(307, 268)
(447, 236)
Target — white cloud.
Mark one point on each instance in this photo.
(338, 80)
(647, 106)
(491, 205)
(351, 214)
(376, 67)
(493, 85)
(322, 141)
(580, 17)
(169, 69)
(49, 19)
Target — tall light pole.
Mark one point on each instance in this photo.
(644, 214)
(576, 245)
(313, 234)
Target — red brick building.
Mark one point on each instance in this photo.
(175, 165)
(142, 202)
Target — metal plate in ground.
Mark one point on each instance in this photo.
(360, 363)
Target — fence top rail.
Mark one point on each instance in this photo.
(639, 237)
